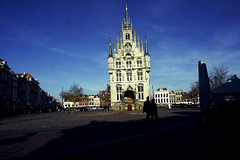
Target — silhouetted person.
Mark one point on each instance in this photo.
(154, 111)
(147, 109)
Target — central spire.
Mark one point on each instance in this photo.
(126, 21)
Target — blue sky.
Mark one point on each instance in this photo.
(61, 42)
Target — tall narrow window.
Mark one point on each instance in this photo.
(140, 75)
(119, 76)
(129, 63)
(118, 64)
(129, 76)
(127, 36)
(140, 92)
(119, 92)
(139, 63)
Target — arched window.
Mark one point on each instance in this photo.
(119, 92)
(118, 76)
(129, 76)
(140, 92)
(127, 36)
(140, 75)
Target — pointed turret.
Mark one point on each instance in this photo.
(134, 33)
(146, 48)
(138, 40)
(110, 50)
(114, 47)
(117, 43)
(120, 39)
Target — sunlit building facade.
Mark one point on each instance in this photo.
(128, 67)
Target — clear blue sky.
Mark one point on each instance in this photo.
(61, 42)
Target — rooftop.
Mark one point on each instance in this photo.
(232, 86)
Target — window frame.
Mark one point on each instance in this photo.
(118, 64)
(140, 75)
(140, 92)
(129, 75)
(118, 76)
(128, 63)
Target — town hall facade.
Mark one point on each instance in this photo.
(128, 67)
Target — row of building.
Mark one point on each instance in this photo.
(89, 101)
(92, 101)
(164, 98)
(21, 93)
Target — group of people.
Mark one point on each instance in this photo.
(151, 112)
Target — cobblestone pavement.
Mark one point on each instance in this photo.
(30, 135)
(91, 135)
(54, 121)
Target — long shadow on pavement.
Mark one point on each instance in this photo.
(172, 138)
(98, 133)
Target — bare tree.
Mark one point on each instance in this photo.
(74, 94)
(194, 92)
(218, 76)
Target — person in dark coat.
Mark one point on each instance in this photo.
(154, 111)
(147, 109)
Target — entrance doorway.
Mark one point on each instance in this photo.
(129, 99)
(129, 107)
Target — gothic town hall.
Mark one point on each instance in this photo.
(128, 67)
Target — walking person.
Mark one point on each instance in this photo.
(147, 109)
(154, 111)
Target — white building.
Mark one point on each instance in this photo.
(179, 94)
(162, 97)
(172, 97)
(128, 67)
(94, 101)
(68, 104)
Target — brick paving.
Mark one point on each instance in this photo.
(59, 120)
(23, 134)
(31, 136)
(22, 124)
